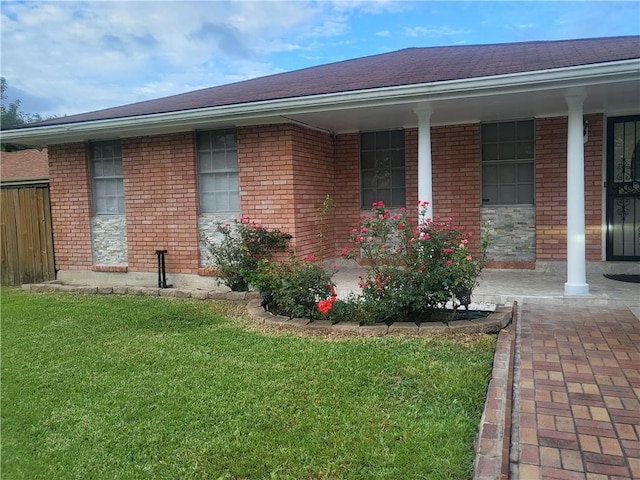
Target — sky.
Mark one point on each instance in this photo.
(65, 57)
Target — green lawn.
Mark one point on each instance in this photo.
(111, 387)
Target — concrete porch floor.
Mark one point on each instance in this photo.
(503, 287)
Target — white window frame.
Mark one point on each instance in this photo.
(218, 172)
(380, 158)
(107, 179)
(512, 159)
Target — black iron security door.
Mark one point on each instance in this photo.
(623, 188)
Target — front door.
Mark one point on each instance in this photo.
(623, 188)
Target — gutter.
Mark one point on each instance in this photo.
(269, 110)
(28, 182)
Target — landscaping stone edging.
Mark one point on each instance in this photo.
(143, 291)
(490, 324)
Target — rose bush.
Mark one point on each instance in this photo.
(242, 246)
(414, 265)
(297, 288)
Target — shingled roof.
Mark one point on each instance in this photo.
(404, 67)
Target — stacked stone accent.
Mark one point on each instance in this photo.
(109, 239)
(511, 231)
(208, 228)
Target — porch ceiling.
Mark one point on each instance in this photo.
(621, 98)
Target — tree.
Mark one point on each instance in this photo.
(11, 116)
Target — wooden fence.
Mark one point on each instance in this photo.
(26, 250)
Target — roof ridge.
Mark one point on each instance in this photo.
(525, 42)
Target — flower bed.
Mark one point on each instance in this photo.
(414, 266)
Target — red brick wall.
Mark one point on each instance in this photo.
(593, 185)
(286, 171)
(70, 206)
(456, 176)
(411, 167)
(313, 179)
(161, 202)
(551, 189)
(347, 188)
(24, 164)
(266, 175)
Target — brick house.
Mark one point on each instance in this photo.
(537, 140)
(29, 166)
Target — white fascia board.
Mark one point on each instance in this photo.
(255, 112)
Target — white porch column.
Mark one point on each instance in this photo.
(576, 258)
(425, 181)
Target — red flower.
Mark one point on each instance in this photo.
(324, 306)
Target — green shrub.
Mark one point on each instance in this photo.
(414, 266)
(294, 288)
(349, 309)
(242, 247)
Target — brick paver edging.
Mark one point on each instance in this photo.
(494, 436)
(490, 324)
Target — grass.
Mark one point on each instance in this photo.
(111, 387)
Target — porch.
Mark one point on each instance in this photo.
(537, 286)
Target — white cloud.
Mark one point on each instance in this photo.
(90, 55)
(432, 31)
(375, 7)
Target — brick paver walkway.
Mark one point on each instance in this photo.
(577, 409)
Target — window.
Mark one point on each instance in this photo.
(382, 168)
(105, 161)
(507, 163)
(218, 183)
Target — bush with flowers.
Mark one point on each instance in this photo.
(414, 265)
(297, 288)
(242, 246)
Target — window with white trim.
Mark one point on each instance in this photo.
(382, 176)
(508, 175)
(105, 162)
(218, 182)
